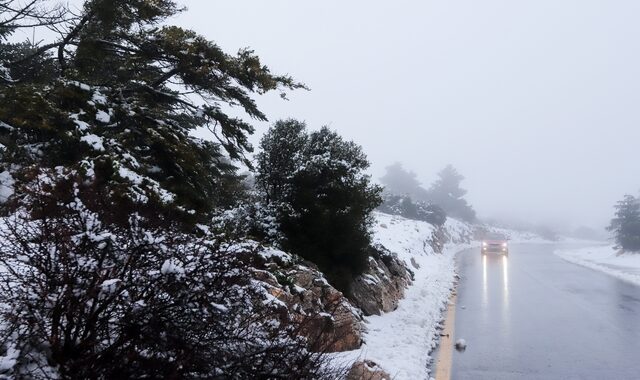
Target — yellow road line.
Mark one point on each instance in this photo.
(445, 355)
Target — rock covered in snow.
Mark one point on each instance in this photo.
(461, 344)
(367, 369)
(382, 285)
(306, 294)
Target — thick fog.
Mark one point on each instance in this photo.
(535, 103)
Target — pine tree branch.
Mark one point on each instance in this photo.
(165, 77)
(72, 34)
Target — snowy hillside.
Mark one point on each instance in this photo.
(401, 341)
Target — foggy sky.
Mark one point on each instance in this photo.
(535, 102)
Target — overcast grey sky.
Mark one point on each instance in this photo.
(535, 102)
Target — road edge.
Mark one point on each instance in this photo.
(444, 361)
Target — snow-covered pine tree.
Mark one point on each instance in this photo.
(121, 95)
(280, 156)
(323, 197)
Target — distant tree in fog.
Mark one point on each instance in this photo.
(626, 224)
(399, 181)
(447, 193)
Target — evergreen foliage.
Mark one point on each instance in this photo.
(325, 202)
(626, 224)
(279, 158)
(116, 97)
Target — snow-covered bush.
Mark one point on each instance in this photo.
(83, 298)
(253, 219)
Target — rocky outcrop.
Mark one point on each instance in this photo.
(382, 285)
(442, 235)
(327, 317)
(367, 370)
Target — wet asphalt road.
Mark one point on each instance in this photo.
(534, 316)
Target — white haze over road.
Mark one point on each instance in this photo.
(534, 102)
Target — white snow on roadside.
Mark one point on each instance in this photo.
(515, 236)
(401, 341)
(605, 258)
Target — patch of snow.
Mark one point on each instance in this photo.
(220, 307)
(80, 85)
(269, 253)
(172, 266)
(271, 299)
(103, 117)
(4, 125)
(138, 180)
(6, 186)
(110, 286)
(9, 359)
(94, 141)
(605, 258)
(99, 98)
(82, 126)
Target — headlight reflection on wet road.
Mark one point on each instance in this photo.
(505, 295)
(484, 280)
(505, 274)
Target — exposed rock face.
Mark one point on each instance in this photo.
(382, 285)
(327, 317)
(441, 236)
(367, 370)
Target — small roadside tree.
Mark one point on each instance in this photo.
(626, 224)
(325, 212)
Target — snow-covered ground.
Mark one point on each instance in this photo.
(401, 341)
(605, 258)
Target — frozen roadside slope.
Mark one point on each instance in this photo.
(605, 258)
(401, 341)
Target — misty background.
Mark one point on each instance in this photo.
(535, 103)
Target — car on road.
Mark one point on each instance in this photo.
(499, 246)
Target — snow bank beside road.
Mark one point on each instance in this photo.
(605, 258)
(401, 341)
